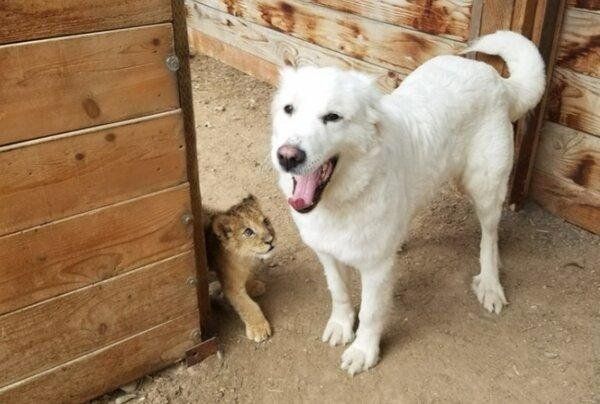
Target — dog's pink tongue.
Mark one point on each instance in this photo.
(304, 192)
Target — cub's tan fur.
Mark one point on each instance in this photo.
(237, 240)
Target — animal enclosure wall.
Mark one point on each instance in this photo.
(391, 38)
(566, 179)
(101, 280)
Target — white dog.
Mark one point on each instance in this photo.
(356, 164)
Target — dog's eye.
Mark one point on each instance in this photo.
(331, 117)
(248, 232)
(288, 109)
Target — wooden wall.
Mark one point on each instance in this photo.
(566, 178)
(98, 269)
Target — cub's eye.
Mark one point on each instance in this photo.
(288, 109)
(248, 232)
(331, 117)
(266, 221)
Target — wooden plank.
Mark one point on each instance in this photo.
(580, 42)
(59, 177)
(587, 4)
(184, 80)
(69, 326)
(64, 84)
(50, 260)
(496, 15)
(574, 101)
(448, 18)
(260, 51)
(108, 368)
(568, 200)
(380, 43)
(544, 29)
(570, 155)
(24, 20)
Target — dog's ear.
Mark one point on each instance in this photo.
(285, 72)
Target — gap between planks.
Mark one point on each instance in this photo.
(91, 354)
(84, 131)
(91, 285)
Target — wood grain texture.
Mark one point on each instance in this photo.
(64, 84)
(574, 101)
(580, 42)
(587, 4)
(354, 36)
(496, 15)
(69, 326)
(62, 256)
(570, 155)
(24, 20)
(60, 177)
(448, 18)
(260, 51)
(575, 204)
(108, 368)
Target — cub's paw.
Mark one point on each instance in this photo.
(339, 331)
(258, 332)
(256, 288)
(489, 293)
(356, 359)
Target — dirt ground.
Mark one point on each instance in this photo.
(440, 345)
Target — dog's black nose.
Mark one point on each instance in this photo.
(290, 157)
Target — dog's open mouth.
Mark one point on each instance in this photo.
(308, 188)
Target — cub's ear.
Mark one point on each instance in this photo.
(250, 199)
(221, 226)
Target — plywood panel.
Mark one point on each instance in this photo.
(574, 101)
(259, 51)
(449, 18)
(102, 370)
(53, 179)
(64, 84)
(570, 155)
(580, 42)
(568, 200)
(64, 328)
(396, 47)
(46, 261)
(63, 17)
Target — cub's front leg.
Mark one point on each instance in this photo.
(257, 327)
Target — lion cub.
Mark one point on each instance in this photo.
(237, 240)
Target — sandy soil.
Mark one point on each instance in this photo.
(440, 345)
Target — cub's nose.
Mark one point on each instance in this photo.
(290, 157)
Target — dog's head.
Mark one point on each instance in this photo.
(322, 118)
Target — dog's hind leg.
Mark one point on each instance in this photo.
(376, 297)
(485, 180)
(340, 327)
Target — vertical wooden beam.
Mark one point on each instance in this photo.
(495, 15)
(545, 33)
(187, 106)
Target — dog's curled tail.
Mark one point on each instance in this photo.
(527, 79)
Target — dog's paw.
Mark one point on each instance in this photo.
(339, 331)
(356, 359)
(489, 293)
(258, 332)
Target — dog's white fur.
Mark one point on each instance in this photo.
(449, 119)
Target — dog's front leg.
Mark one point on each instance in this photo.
(340, 327)
(375, 299)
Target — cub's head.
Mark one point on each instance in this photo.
(245, 230)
